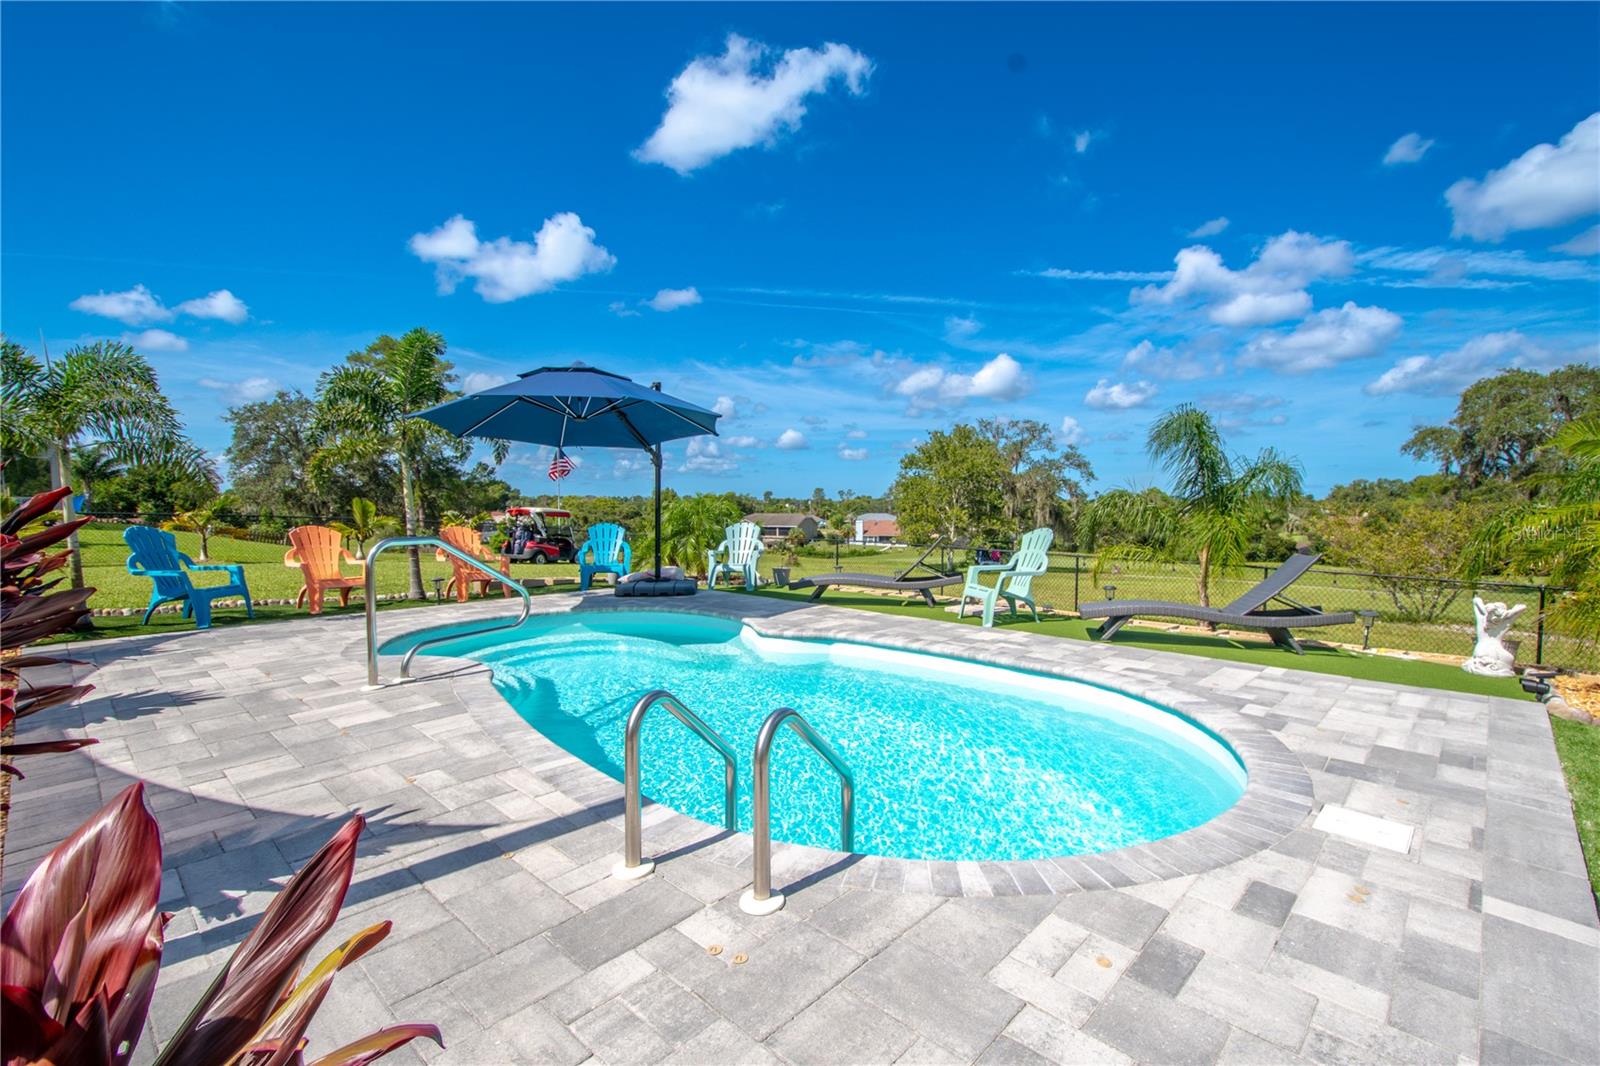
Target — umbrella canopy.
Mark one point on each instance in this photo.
(578, 406)
(574, 407)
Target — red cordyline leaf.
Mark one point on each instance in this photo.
(376, 1045)
(43, 539)
(23, 661)
(255, 980)
(33, 508)
(95, 892)
(283, 1036)
(35, 617)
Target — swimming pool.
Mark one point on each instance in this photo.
(952, 759)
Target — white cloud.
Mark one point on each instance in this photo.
(479, 380)
(719, 104)
(957, 327)
(852, 455)
(856, 434)
(1071, 433)
(1548, 185)
(791, 440)
(1450, 372)
(1325, 339)
(621, 310)
(705, 455)
(1120, 396)
(136, 306)
(1146, 358)
(726, 407)
(564, 249)
(1240, 410)
(1585, 243)
(1081, 140)
(1210, 229)
(249, 390)
(1466, 268)
(742, 441)
(1271, 289)
(929, 387)
(156, 340)
(221, 304)
(672, 299)
(1409, 148)
(1105, 275)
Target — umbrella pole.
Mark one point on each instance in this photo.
(657, 386)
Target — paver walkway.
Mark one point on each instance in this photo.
(491, 851)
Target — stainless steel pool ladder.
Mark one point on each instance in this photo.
(371, 597)
(633, 865)
(759, 898)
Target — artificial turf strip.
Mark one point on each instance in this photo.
(1578, 744)
(1382, 668)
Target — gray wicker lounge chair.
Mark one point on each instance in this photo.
(901, 582)
(1243, 613)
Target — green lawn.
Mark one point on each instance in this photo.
(1578, 744)
(1318, 660)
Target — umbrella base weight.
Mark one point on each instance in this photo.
(651, 587)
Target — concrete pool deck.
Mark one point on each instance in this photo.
(1262, 940)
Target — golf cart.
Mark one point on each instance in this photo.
(539, 535)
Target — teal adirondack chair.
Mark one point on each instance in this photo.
(739, 552)
(155, 555)
(1014, 579)
(612, 553)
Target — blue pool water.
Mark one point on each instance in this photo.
(952, 760)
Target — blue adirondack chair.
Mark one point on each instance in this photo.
(612, 553)
(1014, 579)
(155, 555)
(739, 552)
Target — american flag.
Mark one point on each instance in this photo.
(560, 466)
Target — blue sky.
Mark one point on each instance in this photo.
(843, 226)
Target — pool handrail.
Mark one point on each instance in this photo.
(371, 597)
(759, 898)
(633, 864)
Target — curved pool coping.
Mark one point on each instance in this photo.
(1276, 800)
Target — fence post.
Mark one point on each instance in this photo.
(1077, 568)
(1538, 646)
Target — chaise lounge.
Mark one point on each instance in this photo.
(1243, 613)
(901, 582)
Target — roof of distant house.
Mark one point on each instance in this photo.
(875, 516)
(880, 527)
(779, 519)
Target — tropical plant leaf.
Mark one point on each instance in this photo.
(286, 1028)
(253, 983)
(38, 504)
(376, 1045)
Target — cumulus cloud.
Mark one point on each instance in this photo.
(1324, 339)
(479, 380)
(726, 407)
(621, 309)
(791, 440)
(1210, 229)
(957, 327)
(719, 104)
(856, 434)
(672, 299)
(929, 387)
(1548, 185)
(1146, 358)
(156, 340)
(503, 270)
(1452, 371)
(1409, 148)
(135, 306)
(705, 455)
(742, 441)
(1071, 433)
(852, 455)
(1081, 141)
(1585, 243)
(1271, 289)
(1120, 396)
(221, 304)
(250, 390)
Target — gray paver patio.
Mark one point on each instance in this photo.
(1258, 939)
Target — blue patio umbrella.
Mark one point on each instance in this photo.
(578, 406)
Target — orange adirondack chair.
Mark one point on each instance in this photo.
(464, 576)
(319, 551)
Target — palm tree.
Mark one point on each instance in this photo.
(203, 520)
(367, 410)
(691, 526)
(1557, 535)
(102, 396)
(365, 523)
(92, 466)
(1219, 501)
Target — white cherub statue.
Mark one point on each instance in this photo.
(1489, 656)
